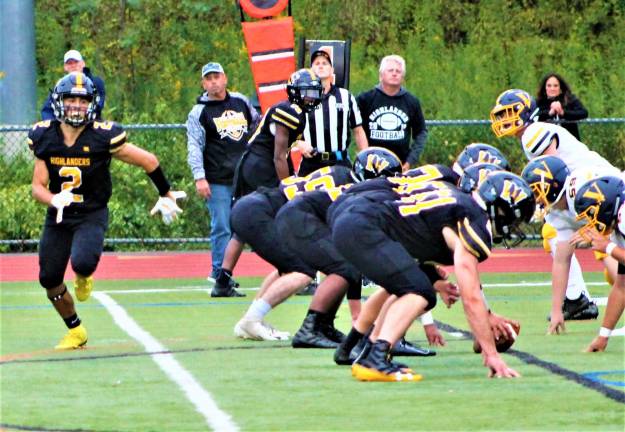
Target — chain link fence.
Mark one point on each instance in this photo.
(131, 229)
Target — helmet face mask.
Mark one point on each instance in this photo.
(304, 89)
(375, 162)
(597, 203)
(69, 97)
(509, 202)
(513, 110)
(546, 176)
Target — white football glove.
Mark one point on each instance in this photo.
(168, 207)
(60, 201)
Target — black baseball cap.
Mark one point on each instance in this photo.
(320, 52)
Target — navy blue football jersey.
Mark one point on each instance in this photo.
(83, 167)
(284, 113)
(433, 172)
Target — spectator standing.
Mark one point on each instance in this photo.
(392, 116)
(556, 103)
(327, 132)
(74, 62)
(217, 130)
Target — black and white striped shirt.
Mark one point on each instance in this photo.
(328, 126)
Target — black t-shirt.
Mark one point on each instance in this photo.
(83, 168)
(391, 121)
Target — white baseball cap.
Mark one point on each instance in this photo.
(72, 55)
(211, 67)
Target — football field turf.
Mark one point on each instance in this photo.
(162, 356)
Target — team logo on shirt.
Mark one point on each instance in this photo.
(231, 124)
(388, 123)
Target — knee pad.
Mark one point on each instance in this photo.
(85, 265)
(50, 281)
(548, 232)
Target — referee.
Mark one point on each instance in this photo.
(327, 133)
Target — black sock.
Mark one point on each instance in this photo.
(352, 338)
(223, 276)
(72, 322)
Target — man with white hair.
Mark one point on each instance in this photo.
(74, 62)
(392, 115)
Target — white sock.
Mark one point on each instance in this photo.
(576, 286)
(258, 309)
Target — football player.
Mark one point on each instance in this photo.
(514, 114)
(252, 220)
(265, 161)
(72, 177)
(600, 204)
(440, 224)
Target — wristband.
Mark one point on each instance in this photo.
(159, 180)
(605, 332)
(609, 248)
(427, 318)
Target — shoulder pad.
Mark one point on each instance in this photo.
(288, 115)
(36, 132)
(113, 133)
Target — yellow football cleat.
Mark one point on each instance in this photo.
(363, 373)
(83, 287)
(74, 338)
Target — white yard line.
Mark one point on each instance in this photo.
(197, 395)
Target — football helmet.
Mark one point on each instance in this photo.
(546, 176)
(513, 110)
(509, 202)
(478, 153)
(304, 89)
(375, 162)
(475, 174)
(75, 84)
(598, 201)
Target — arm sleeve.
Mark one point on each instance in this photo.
(419, 134)
(196, 141)
(575, 110)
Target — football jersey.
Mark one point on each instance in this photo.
(417, 222)
(573, 152)
(284, 113)
(83, 167)
(433, 172)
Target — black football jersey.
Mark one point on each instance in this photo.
(284, 113)
(417, 221)
(82, 168)
(433, 172)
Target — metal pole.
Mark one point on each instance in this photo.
(18, 97)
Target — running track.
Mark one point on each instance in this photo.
(179, 265)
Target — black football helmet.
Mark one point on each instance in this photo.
(304, 89)
(598, 201)
(509, 202)
(513, 110)
(375, 162)
(479, 153)
(475, 174)
(546, 176)
(75, 84)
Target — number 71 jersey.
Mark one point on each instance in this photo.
(84, 167)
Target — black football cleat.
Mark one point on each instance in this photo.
(591, 311)
(331, 332)
(308, 290)
(226, 289)
(310, 335)
(376, 365)
(579, 309)
(405, 348)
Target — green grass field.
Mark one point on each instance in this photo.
(114, 385)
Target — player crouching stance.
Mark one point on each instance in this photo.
(601, 204)
(442, 225)
(72, 176)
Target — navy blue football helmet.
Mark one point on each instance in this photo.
(75, 84)
(546, 176)
(513, 110)
(598, 201)
(375, 162)
(509, 202)
(480, 153)
(304, 89)
(475, 174)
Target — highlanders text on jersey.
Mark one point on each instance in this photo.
(83, 167)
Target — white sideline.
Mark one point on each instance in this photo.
(204, 403)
